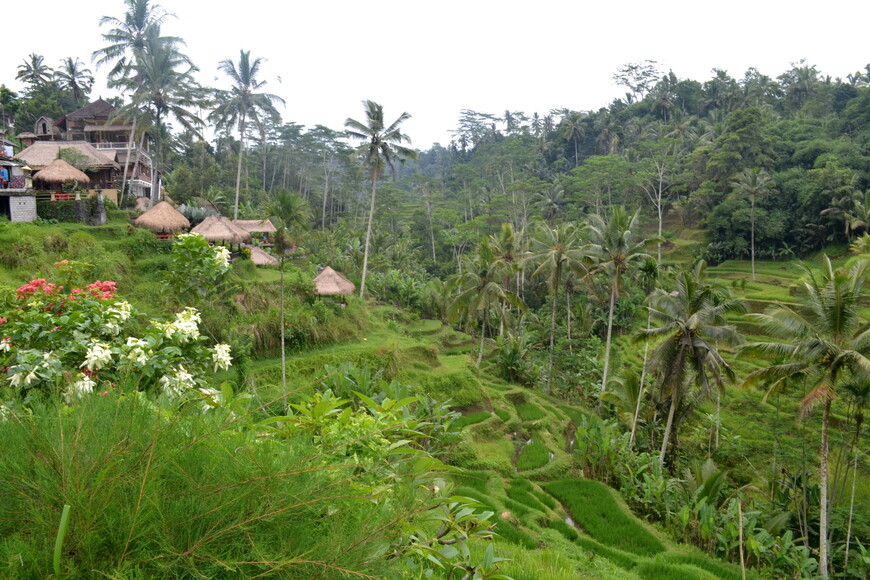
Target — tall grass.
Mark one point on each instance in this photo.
(184, 496)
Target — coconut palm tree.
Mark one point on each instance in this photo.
(73, 75)
(691, 321)
(243, 103)
(127, 35)
(162, 86)
(825, 342)
(478, 289)
(34, 71)
(572, 128)
(553, 251)
(752, 183)
(381, 147)
(614, 249)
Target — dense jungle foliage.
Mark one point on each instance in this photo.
(623, 343)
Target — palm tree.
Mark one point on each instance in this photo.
(242, 103)
(825, 342)
(753, 183)
(690, 318)
(572, 128)
(381, 146)
(34, 71)
(649, 273)
(555, 250)
(127, 36)
(478, 289)
(73, 75)
(161, 86)
(615, 249)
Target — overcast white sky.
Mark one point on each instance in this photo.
(434, 59)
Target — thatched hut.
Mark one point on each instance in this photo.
(260, 258)
(331, 283)
(60, 172)
(256, 226)
(221, 229)
(163, 219)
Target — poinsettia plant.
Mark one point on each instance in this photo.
(82, 339)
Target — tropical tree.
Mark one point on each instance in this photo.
(127, 36)
(161, 84)
(825, 342)
(572, 128)
(381, 147)
(34, 71)
(555, 250)
(243, 103)
(752, 183)
(75, 77)
(614, 248)
(690, 319)
(478, 289)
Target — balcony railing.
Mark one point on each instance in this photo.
(121, 145)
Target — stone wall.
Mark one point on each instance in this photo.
(22, 208)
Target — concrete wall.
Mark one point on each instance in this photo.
(22, 208)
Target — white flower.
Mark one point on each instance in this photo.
(138, 356)
(22, 378)
(97, 356)
(177, 383)
(5, 344)
(186, 325)
(221, 357)
(136, 342)
(222, 257)
(4, 412)
(120, 310)
(83, 386)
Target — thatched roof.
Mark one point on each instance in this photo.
(41, 153)
(221, 229)
(261, 258)
(162, 218)
(331, 283)
(59, 171)
(256, 226)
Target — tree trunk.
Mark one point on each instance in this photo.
(823, 495)
(552, 344)
(362, 284)
(851, 508)
(752, 239)
(482, 337)
(640, 390)
(239, 169)
(607, 346)
(283, 352)
(667, 434)
(127, 161)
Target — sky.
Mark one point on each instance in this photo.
(432, 60)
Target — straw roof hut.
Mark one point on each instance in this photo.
(221, 229)
(42, 153)
(162, 218)
(331, 283)
(59, 171)
(260, 258)
(256, 226)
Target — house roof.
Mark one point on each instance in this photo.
(331, 283)
(221, 229)
(256, 226)
(96, 109)
(162, 218)
(41, 153)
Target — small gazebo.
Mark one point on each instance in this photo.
(261, 258)
(163, 219)
(331, 283)
(221, 229)
(59, 172)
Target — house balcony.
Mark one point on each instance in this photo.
(122, 146)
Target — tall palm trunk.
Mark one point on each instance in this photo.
(283, 351)
(752, 238)
(668, 426)
(607, 346)
(482, 337)
(823, 495)
(552, 344)
(640, 390)
(362, 284)
(124, 184)
(242, 125)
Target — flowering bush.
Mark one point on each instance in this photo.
(83, 340)
(198, 268)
